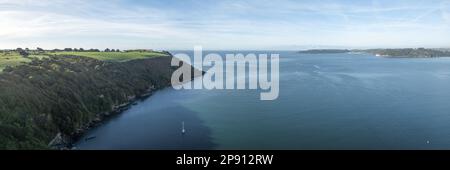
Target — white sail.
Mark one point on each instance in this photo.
(183, 130)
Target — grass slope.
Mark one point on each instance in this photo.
(12, 58)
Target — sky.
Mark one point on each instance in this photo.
(224, 24)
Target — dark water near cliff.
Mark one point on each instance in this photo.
(330, 101)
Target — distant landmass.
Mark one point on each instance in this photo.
(324, 51)
(394, 53)
(410, 52)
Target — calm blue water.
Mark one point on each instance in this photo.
(330, 101)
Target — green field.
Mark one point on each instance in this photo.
(12, 58)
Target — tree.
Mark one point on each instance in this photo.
(22, 52)
(39, 49)
(81, 49)
(117, 50)
(67, 49)
(107, 50)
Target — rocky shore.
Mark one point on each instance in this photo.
(65, 142)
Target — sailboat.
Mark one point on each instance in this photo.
(183, 131)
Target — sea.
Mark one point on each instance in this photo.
(326, 102)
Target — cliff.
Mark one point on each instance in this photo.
(63, 96)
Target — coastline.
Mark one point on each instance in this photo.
(66, 142)
(387, 52)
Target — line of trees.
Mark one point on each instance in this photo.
(112, 50)
(26, 51)
(89, 50)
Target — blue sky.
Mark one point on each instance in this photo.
(224, 24)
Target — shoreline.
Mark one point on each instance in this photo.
(66, 142)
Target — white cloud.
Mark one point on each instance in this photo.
(228, 24)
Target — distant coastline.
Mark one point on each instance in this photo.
(393, 53)
(324, 51)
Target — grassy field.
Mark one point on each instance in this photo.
(12, 58)
(113, 56)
